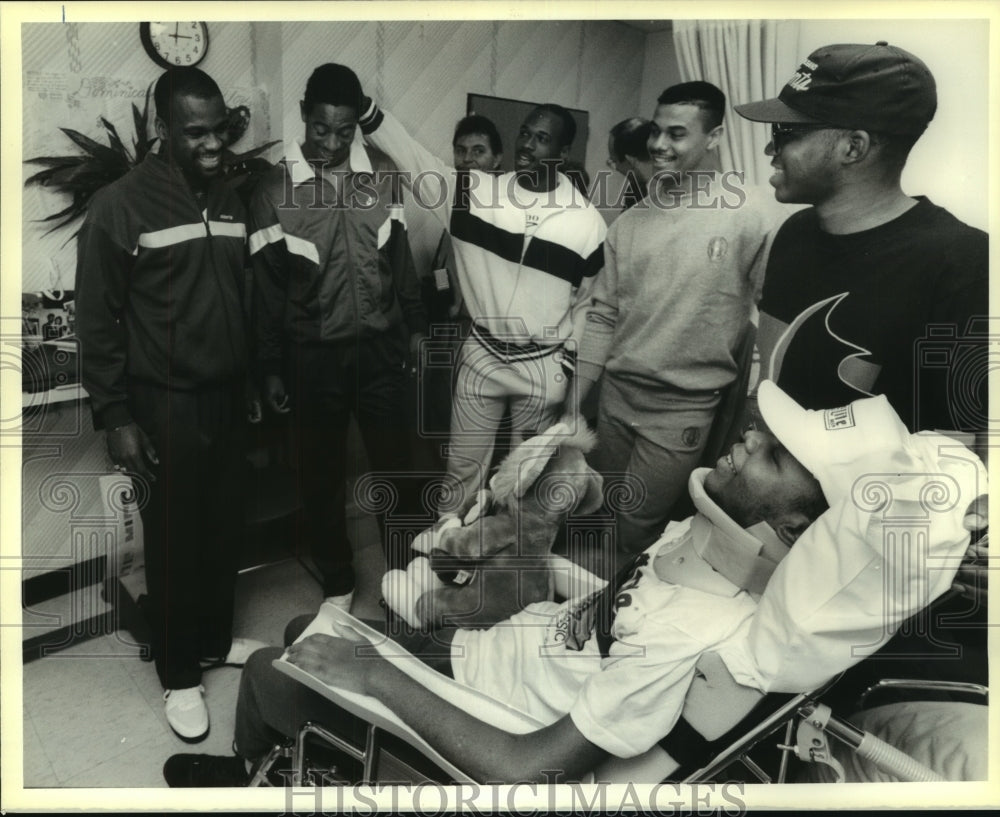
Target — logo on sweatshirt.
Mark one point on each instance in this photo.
(717, 248)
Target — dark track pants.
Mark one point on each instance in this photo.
(328, 383)
(192, 522)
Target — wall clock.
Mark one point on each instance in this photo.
(175, 44)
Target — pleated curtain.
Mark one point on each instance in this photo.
(748, 60)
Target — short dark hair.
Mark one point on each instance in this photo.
(894, 148)
(333, 84)
(568, 122)
(629, 138)
(175, 82)
(474, 123)
(709, 99)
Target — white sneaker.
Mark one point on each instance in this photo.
(341, 602)
(241, 650)
(187, 713)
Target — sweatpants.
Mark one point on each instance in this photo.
(193, 522)
(529, 381)
(651, 443)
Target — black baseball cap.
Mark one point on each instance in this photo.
(878, 88)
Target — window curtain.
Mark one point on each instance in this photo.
(748, 60)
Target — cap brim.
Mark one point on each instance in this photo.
(787, 420)
(773, 110)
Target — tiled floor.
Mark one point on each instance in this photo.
(93, 713)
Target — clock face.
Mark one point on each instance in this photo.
(175, 44)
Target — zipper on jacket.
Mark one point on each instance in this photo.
(204, 216)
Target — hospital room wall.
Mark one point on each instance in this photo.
(660, 70)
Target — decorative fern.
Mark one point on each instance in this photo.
(81, 176)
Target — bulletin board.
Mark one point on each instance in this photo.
(508, 114)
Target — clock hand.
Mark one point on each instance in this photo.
(177, 27)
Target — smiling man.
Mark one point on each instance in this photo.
(159, 295)
(527, 250)
(869, 290)
(336, 291)
(787, 592)
(476, 144)
(682, 270)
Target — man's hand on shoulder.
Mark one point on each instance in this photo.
(132, 451)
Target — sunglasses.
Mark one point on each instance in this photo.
(782, 134)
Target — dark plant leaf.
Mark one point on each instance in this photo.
(70, 218)
(95, 149)
(139, 123)
(56, 161)
(87, 178)
(52, 175)
(142, 142)
(74, 208)
(116, 142)
(64, 177)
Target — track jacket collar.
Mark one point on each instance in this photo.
(300, 171)
(170, 177)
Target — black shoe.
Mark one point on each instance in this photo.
(205, 771)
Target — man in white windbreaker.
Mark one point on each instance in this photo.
(528, 247)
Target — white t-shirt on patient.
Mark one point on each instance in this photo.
(841, 592)
(627, 701)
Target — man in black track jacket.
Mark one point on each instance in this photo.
(163, 351)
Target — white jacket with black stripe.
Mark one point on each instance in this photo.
(532, 289)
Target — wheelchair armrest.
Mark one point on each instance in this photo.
(715, 700)
(924, 685)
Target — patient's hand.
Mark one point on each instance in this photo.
(339, 662)
(972, 578)
(977, 515)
